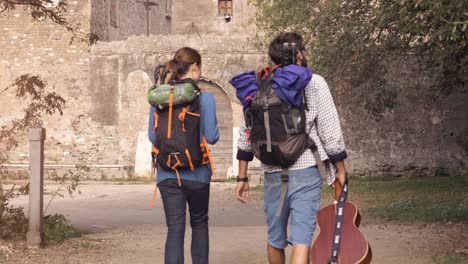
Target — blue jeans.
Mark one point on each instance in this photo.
(175, 198)
(301, 205)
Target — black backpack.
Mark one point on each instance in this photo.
(278, 133)
(177, 128)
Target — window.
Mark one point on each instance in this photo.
(224, 7)
(113, 12)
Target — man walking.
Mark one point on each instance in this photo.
(299, 202)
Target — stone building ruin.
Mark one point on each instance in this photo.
(105, 119)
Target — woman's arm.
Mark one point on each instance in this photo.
(151, 133)
(208, 121)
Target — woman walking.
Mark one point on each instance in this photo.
(183, 176)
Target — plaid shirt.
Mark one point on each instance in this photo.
(325, 131)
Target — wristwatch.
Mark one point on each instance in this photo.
(243, 179)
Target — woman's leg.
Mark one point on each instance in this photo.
(198, 197)
(174, 201)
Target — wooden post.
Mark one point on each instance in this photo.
(35, 235)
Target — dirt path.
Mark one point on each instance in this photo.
(127, 231)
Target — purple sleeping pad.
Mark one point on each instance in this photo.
(288, 83)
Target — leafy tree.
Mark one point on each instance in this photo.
(354, 42)
(32, 89)
(51, 9)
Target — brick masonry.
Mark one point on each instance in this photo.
(131, 19)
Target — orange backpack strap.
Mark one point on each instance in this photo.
(155, 150)
(154, 196)
(187, 153)
(182, 118)
(207, 154)
(174, 167)
(171, 100)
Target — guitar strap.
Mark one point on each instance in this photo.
(339, 223)
(340, 206)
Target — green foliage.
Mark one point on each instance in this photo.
(30, 88)
(258, 188)
(57, 229)
(230, 179)
(13, 221)
(5, 253)
(353, 42)
(71, 179)
(39, 9)
(437, 199)
(453, 258)
(430, 211)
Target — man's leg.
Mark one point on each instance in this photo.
(277, 225)
(305, 189)
(275, 255)
(300, 254)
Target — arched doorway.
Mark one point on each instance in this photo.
(222, 151)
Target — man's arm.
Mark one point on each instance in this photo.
(244, 155)
(329, 129)
(242, 188)
(340, 171)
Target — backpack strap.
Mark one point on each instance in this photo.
(264, 88)
(304, 100)
(153, 199)
(207, 154)
(313, 147)
(169, 119)
(284, 190)
(341, 205)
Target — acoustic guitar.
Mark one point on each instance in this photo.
(352, 247)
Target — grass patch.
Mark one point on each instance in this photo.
(57, 229)
(425, 211)
(130, 180)
(428, 199)
(453, 258)
(3, 256)
(227, 180)
(258, 188)
(89, 245)
(434, 199)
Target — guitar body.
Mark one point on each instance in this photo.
(354, 248)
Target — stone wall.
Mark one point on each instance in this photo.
(131, 19)
(422, 135)
(43, 48)
(201, 17)
(100, 19)
(106, 111)
(119, 70)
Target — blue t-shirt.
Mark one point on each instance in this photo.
(208, 129)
